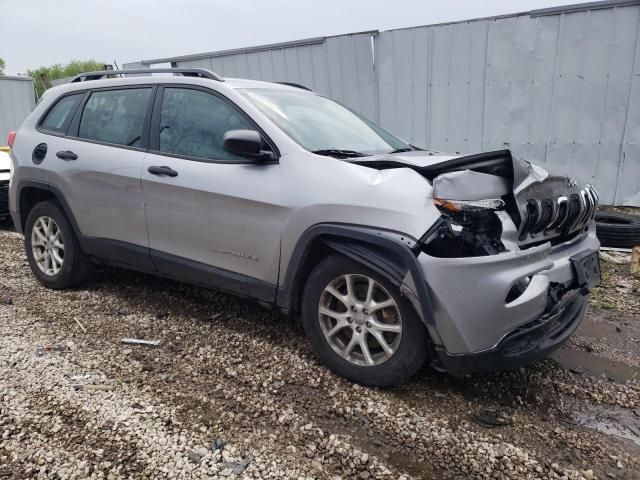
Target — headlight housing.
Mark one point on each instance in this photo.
(455, 206)
(467, 228)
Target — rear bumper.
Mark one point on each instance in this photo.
(525, 345)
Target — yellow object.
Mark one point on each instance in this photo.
(5, 149)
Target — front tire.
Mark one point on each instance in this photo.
(360, 325)
(54, 253)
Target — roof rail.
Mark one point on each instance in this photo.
(187, 72)
(296, 85)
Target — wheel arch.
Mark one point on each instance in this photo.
(32, 192)
(386, 253)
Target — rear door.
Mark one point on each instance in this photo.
(98, 168)
(214, 218)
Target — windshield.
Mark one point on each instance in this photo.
(323, 126)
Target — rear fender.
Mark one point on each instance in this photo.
(21, 216)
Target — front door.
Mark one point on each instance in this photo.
(213, 218)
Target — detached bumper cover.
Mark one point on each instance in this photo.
(526, 344)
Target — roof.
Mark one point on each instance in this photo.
(151, 79)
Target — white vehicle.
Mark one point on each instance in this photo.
(5, 162)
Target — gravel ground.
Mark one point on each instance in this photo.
(235, 391)
(625, 210)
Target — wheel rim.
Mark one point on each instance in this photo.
(47, 245)
(360, 320)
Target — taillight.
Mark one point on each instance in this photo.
(11, 139)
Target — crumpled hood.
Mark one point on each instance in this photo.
(419, 158)
(520, 173)
(544, 206)
(430, 164)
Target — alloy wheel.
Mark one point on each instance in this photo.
(360, 319)
(47, 245)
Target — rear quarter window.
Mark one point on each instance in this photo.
(115, 116)
(58, 118)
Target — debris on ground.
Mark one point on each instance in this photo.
(194, 457)
(80, 324)
(579, 370)
(139, 341)
(40, 350)
(236, 467)
(618, 258)
(491, 419)
(217, 444)
(101, 388)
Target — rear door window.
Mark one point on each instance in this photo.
(115, 116)
(59, 117)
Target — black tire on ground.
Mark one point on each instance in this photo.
(618, 230)
(76, 267)
(411, 353)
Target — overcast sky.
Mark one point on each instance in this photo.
(43, 32)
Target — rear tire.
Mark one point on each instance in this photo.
(54, 253)
(335, 321)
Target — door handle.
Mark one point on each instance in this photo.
(67, 155)
(168, 171)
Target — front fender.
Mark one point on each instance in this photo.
(389, 254)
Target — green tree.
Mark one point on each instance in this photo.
(54, 72)
(3, 65)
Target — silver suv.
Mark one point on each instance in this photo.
(392, 255)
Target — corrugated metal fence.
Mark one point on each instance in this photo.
(561, 87)
(340, 67)
(16, 102)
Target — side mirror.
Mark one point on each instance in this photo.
(246, 143)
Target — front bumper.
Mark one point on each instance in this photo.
(4, 195)
(527, 344)
(470, 315)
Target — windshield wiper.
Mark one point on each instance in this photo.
(338, 153)
(402, 150)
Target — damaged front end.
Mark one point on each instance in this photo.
(496, 201)
(501, 264)
(471, 204)
(464, 232)
(506, 262)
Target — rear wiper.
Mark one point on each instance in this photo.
(336, 152)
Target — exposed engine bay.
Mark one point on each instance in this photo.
(472, 193)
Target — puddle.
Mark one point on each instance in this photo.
(587, 363)
(614, 421)
(381, 447)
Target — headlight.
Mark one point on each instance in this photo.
(455, 206)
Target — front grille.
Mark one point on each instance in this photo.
(4, 197)
(561, 215)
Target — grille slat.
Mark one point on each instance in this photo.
(4, 197)
(562, 215)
